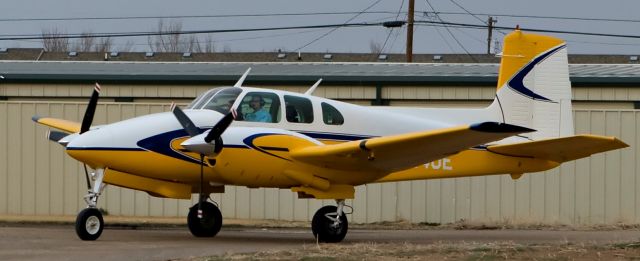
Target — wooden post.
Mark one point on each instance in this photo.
(410, 31)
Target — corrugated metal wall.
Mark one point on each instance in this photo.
(37, 178)
(165, 91)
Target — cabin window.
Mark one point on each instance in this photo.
(298, 109)
(331, 115)
(259, 107)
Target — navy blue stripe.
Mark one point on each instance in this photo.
(235, 146)
(334, 136)
(104, 148)
(161, 144)
(274, 148)
(517, 84)
(249, 141)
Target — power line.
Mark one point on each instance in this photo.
(116, 35)
(336, 28)
(364, 24)
(240, 15)
(189, 16)
(390, 30)
(451, 33)
(544, 17)
(478, 26)
(472, 14)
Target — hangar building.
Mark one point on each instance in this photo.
(37, 178)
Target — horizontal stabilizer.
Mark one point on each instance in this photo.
(63, 125)
(561, 149)
(398, 152)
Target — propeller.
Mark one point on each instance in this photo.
(214, 135)
(87, 120)
(91, 110)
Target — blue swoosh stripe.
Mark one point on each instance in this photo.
(516, 83)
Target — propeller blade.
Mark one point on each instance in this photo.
(184, 120)
(91, 110)
(219, 128)
(56, 135)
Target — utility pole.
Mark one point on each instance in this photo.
(410, 31)
(490, 24)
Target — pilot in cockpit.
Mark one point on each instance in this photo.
(259, 114)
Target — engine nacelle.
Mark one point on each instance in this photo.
(198, 145)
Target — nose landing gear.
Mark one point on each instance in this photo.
(207, 223)
(329, 224)
(89, 222)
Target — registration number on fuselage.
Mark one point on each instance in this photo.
(441, 164)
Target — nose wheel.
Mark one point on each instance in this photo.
(329, 224)
(89, 222)
(209, 222)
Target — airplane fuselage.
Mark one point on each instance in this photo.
(256, 154)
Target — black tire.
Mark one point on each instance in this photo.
(210, 223)
(89, 224)
(323, 228)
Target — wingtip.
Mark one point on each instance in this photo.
(498, 127)
(36, 118)
(621, 144)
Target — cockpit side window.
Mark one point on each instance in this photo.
(202, 98)
(331, 115)
(259, 107)
(223, 100)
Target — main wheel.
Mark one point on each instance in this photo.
(210, 223)
(89, 224)
(324, 229)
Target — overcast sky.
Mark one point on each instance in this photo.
(427, 39)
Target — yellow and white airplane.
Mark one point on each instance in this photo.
(320, 148)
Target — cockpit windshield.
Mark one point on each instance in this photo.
(219, 99)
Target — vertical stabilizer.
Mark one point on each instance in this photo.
(534, 90)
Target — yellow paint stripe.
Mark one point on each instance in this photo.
(519, 49)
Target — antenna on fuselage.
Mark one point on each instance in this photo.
(241, 80)
(313, 88)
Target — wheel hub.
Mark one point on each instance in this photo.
(92, 225)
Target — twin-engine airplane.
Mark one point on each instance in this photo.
(320, 148)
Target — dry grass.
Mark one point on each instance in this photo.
(444, 251)
(164, 222)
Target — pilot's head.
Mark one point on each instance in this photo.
(256, 102)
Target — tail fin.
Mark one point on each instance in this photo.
(534, 90)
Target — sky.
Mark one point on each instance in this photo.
(428, 39)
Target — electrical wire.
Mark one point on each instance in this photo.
(452, 35)
(188, 16)
(313, 14)
(545, 17)
(477, 26)
(472, 14)
(116, 35)
(336, 28)
(390, 31)
(437, 29)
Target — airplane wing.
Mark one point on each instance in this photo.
(561, 149)
(64, 125)
(398, 152)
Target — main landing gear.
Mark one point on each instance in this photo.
(89, 223)
(329, 224)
